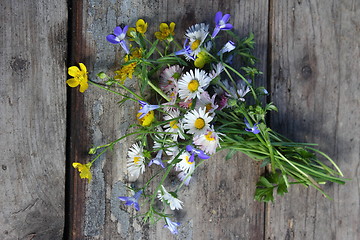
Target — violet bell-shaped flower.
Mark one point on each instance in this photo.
(254, 129)
(118, 37)
(172, 226)
(157, 160)
(145, 108)
(221, 23)
(196, 152)
(132, 200)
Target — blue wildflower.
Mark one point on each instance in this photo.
(196, 152)
(145, 108)
(254, 129)
(157, 160)
(228, 47)
(221, 23)
(118, 37)
(132, 200)
(172, 226)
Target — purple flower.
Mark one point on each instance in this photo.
(118, 37)
(172, 226)
(132, 200)
(186, 50)
(221, 23)
(254, 129)
(196, 152)
(157, 160)
(145, 108)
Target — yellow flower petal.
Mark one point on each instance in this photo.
(172, 27)
(74, 71)
(83, 68)
(141, 26)
(83, 86)
(84, 170)
(73, 82)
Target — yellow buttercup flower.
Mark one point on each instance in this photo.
(147, 119)
(201, 59)
(141, 26)
(80, 77)
(84, 170)
(166, 31)
(127, 71)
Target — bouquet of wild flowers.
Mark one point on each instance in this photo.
(201, 103)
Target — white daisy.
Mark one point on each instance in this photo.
(163, 195)
(197, 35)
(185, 165)
(135, 161)
(208, 142)
(174, 126)
(193, 83)
(169, 77)
(197, 121)
(207, 102)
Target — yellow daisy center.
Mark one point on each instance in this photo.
(208, 107)
(195, 44)
(173, 124)
(187, 160)
(136, 160)
(209, 137)
(193, 85)
(199, 123)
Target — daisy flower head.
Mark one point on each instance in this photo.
(169, 77)
(193, 83)
(197, 121)
(217, 70)
(208, 142)
(197, 35)
(170, 198)
(207, 102)
(174, 125)
(135, 161)
(186, 165)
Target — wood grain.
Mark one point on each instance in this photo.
(315, 80)
(33, 118)
(219, 203)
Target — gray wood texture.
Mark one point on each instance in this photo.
(33, 45)
(219, 203)
(315, 83)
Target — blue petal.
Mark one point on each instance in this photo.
(112, 39)
(118, 31)
(226, 18)
(227, 26)
(218, 17)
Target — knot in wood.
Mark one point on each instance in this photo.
(306, 71)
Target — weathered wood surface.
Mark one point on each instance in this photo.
(32, 118)
(315, 83)
(219, 203)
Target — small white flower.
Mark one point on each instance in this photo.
(184, 177)
(197, 35)
(163, 195)
(197, 121)
(174, 126)
(193, 83)
(207, 102)
(208, 142)
(169, 77)
(135, 162)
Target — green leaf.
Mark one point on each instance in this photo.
(152, 49)
(230, 154)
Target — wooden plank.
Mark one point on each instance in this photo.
(315, 81)
(219, 203)
(33, 118)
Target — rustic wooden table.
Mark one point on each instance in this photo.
(309, 52)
